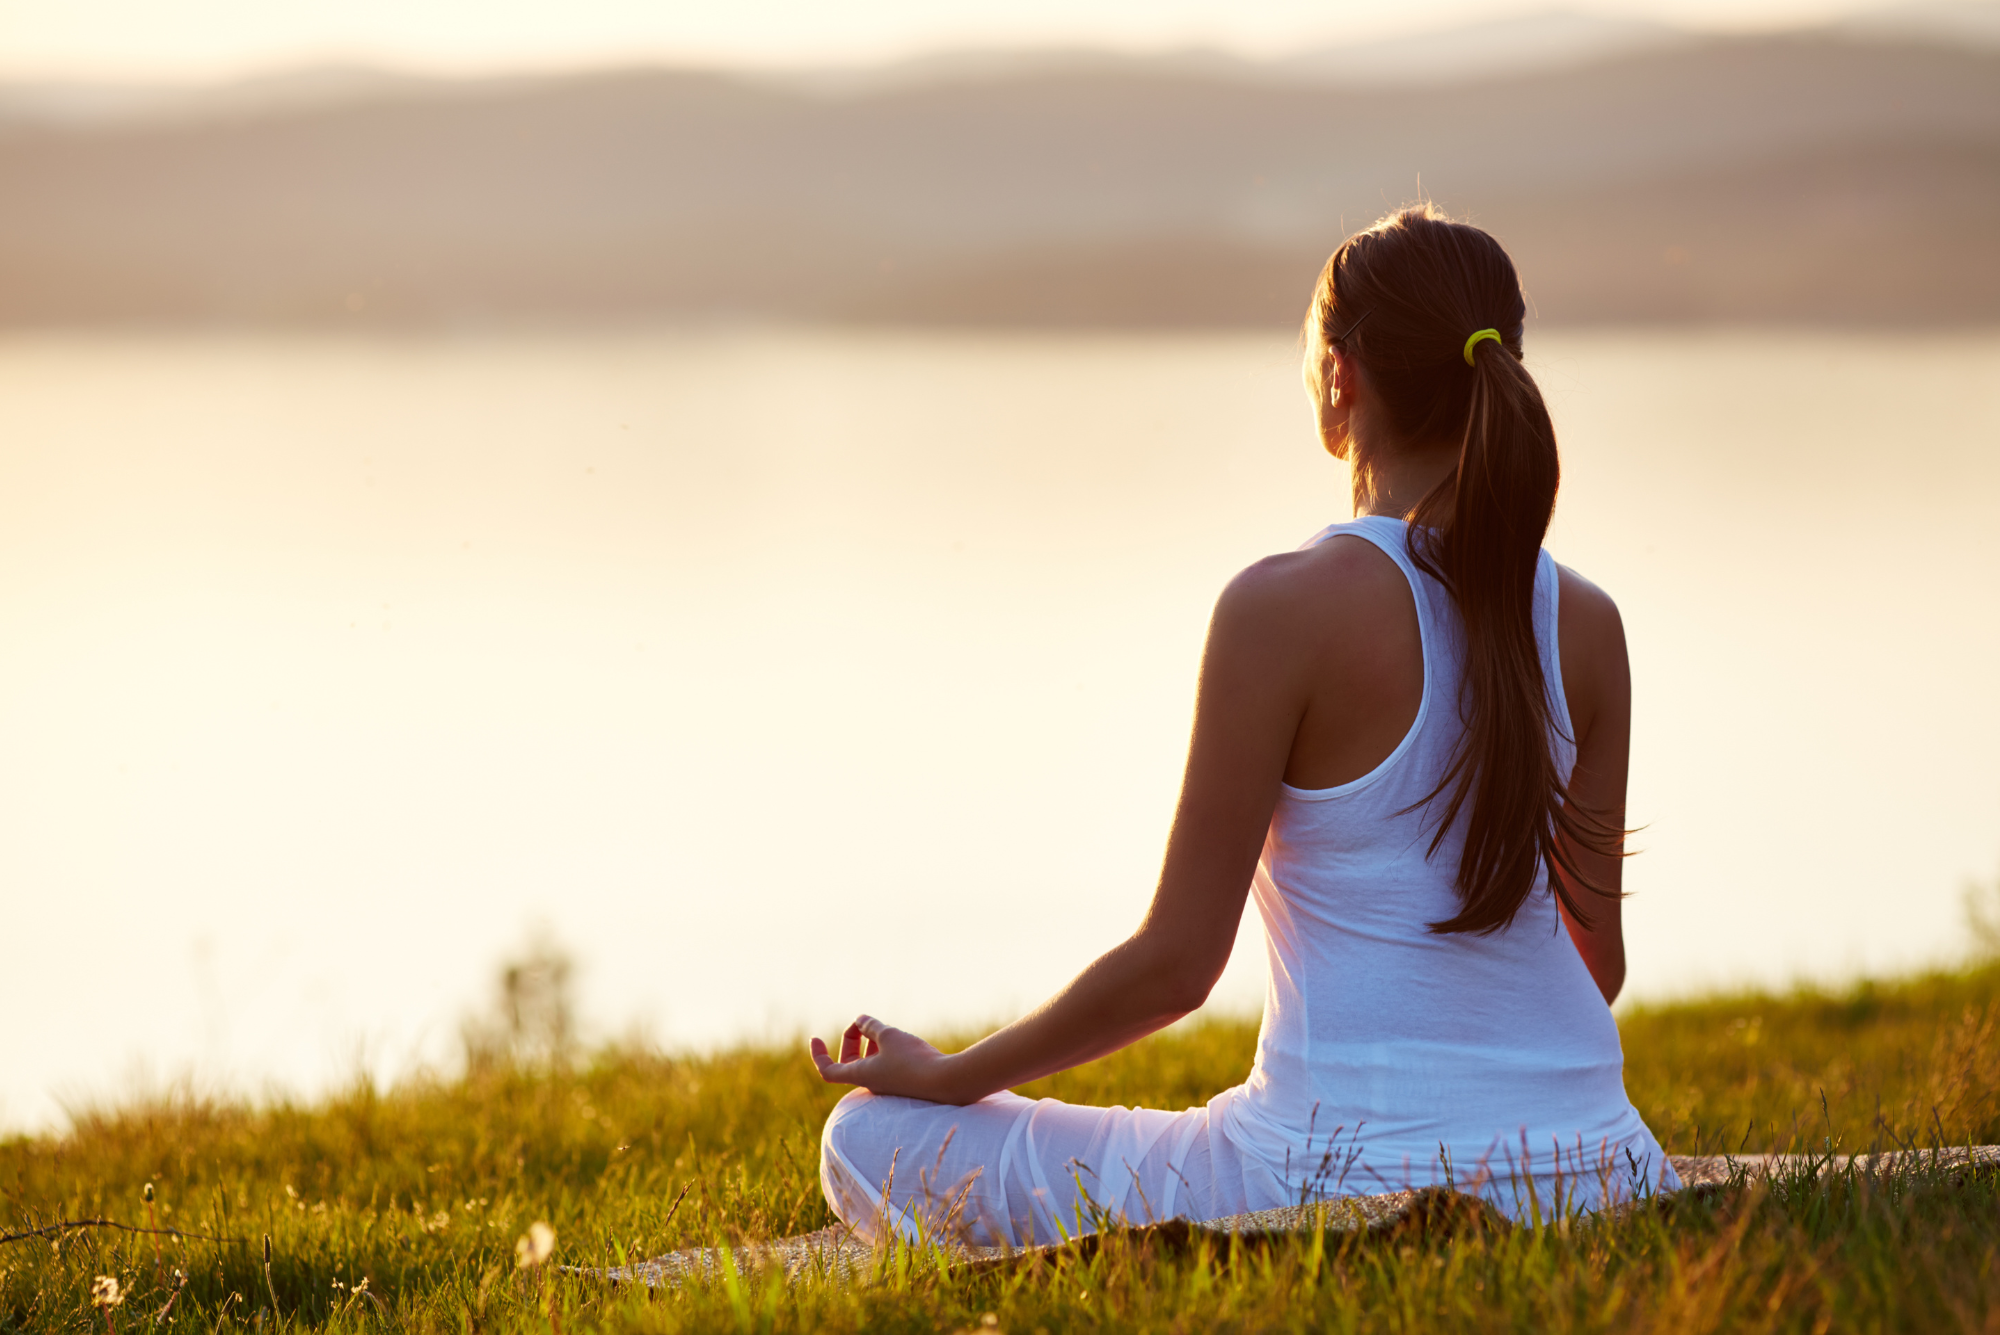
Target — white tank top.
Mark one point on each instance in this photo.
(1390, 1056)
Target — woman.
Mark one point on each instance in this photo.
(1410, 746)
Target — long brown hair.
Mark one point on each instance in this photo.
(1401, 299)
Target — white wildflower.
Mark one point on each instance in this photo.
(535, 1246)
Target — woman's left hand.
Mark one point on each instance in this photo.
(885, 1060)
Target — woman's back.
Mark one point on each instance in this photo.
(1391, 1054)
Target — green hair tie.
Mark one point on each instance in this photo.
(1493, 334)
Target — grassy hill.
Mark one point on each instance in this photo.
(423, 1189)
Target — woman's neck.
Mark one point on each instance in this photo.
(1394, 480)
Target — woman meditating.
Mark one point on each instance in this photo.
(1410, 746)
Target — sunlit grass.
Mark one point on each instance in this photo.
(423, 1190)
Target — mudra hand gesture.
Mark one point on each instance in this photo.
(885, 1060)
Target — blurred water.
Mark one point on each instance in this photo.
(787, 673)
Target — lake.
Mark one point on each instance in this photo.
(787, 673)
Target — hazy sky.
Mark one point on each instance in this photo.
(179, 39)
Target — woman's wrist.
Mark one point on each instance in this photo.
(946, 1078)
(957, 1080)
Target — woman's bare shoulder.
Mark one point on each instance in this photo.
(1590, 635)
(1589, 611)
(1335, 585)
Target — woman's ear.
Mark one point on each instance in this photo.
(1337, 381)
(1339, 376)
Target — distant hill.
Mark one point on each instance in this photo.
(1803, 177)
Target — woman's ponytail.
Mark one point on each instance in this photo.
(1441, 348)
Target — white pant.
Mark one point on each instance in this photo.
(1011, 1171)
(1017, 1172)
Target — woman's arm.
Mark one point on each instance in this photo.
(1597, 682)
(1254, 683)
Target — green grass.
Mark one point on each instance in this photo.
(423, 1189)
